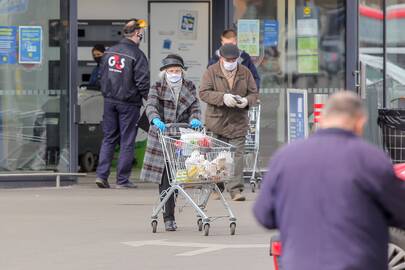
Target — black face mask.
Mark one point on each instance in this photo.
(140, 36)
(98, 59)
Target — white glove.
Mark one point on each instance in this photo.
(243, 102)
(229, 100)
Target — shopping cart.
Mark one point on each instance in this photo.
(193, 161)
(252, 147)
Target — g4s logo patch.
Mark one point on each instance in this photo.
(116, 63)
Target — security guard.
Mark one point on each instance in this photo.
(124, 82)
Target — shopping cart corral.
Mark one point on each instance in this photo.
(195, 161)
(252, 148)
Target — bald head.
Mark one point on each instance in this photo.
(133, 31)
(344, 110)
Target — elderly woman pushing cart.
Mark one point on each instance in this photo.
(172, 99)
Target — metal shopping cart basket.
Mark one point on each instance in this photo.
(195, 160)
(252, 148)
(392, 128)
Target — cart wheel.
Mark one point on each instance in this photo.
(154, 226)
(206, 229)
(233, 228)
(87, 161)
(253, 187)
(200, 225)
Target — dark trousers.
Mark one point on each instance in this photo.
(168, 214)
(119, 125)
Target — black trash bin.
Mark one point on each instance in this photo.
(392, 125)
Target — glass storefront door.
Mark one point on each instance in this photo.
(371, 61)
(301, 46)
(34, 115)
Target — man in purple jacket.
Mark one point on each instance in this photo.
(333, 195)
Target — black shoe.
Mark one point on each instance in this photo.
(128, 184)
(174, 225)
(170, 226)
(102, 183)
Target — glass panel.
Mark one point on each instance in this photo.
(371, 20)
(306, 51)
(395, 38)
(33, 113)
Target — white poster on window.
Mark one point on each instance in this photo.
(307, 27)
(249, 36)
(188, 24)
(186, 34)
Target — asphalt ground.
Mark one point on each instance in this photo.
(83, 227)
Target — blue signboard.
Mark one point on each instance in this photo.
(270, 33)
(297, 114)
(8, 44)
(30, 45)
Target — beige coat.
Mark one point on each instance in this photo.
(227, 122)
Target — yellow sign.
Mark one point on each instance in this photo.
(307, 11)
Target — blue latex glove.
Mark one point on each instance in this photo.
(195, 123)
(159, 124)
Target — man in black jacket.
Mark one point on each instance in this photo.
(124, 82)
(229, 37)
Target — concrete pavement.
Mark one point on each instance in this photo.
(82, 227)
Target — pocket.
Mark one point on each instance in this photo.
(241, 88)
(214, 112)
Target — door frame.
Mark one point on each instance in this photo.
(355, 73)
(74, 113)
(352, 45)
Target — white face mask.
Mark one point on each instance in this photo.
(173, 78)
(229, 66)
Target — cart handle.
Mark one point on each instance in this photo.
(180, 125)
(177, 125)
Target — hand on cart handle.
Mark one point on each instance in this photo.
(159, 124)
(195, 124)
(174, 127)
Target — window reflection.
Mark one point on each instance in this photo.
(395, 76)
(311, 57)
(34, 117)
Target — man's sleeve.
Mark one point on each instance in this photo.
(382, 184)
(208, 93)
(141, 75)
(264, 207)
(392, 197)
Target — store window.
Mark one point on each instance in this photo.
(300, 45)
(34, 116)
